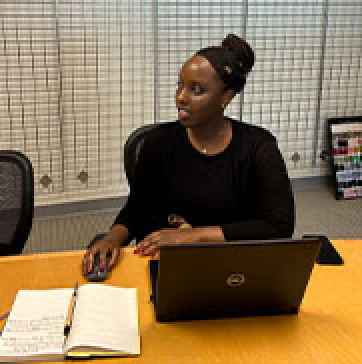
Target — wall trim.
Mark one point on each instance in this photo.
(113, 204)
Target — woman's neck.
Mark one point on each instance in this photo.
(207, 131)
(212, 137)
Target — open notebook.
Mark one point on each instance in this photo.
(105, 323)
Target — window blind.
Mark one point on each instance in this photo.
(76, 77)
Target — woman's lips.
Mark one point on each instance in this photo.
(183, 114)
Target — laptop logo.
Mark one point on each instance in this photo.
(235, 280)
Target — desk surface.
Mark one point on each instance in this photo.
(328, 328)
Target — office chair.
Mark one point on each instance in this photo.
(131, 151)
(16, 201)
(133, 147)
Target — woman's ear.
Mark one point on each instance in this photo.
(227, 96)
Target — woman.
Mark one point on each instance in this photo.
(225, 178)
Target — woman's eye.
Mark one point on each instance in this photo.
(197, 89)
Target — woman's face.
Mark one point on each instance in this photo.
(200, 96)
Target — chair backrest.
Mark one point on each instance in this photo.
(133, 147)
(131, 151)
(16, 201)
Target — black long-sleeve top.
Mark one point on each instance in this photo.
(245, 189)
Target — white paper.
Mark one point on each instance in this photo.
(36, 323)
(106, 317)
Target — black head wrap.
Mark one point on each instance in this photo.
(232, 61)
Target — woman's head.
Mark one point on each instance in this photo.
(232, 61)
(211, 78)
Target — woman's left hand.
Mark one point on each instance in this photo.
(150, 244)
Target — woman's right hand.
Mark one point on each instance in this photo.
(103, 247)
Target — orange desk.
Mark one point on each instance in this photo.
(327, 330)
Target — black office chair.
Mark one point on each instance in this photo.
(131, 151)
(16, 201)
(133, 147)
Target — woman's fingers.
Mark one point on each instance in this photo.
(114, 257)
(105, 250)
(88, 261)
(151, 249)
(146, 248)
(102, 248)
(148, 245)
(142, 245)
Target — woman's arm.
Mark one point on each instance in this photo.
(150, 244)
(272, 210)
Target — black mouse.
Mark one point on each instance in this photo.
(95, 275)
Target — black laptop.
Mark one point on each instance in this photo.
(245, 278)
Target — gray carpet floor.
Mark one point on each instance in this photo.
(317, 212)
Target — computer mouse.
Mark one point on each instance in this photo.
(96, 275)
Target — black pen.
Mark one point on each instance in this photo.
(68, 321)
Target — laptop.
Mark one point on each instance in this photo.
(233, 279)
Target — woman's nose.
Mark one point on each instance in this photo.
(181, 95)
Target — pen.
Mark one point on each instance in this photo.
(68, 321)
(4, 316)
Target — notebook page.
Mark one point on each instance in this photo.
(105, 317)
(36, 323)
